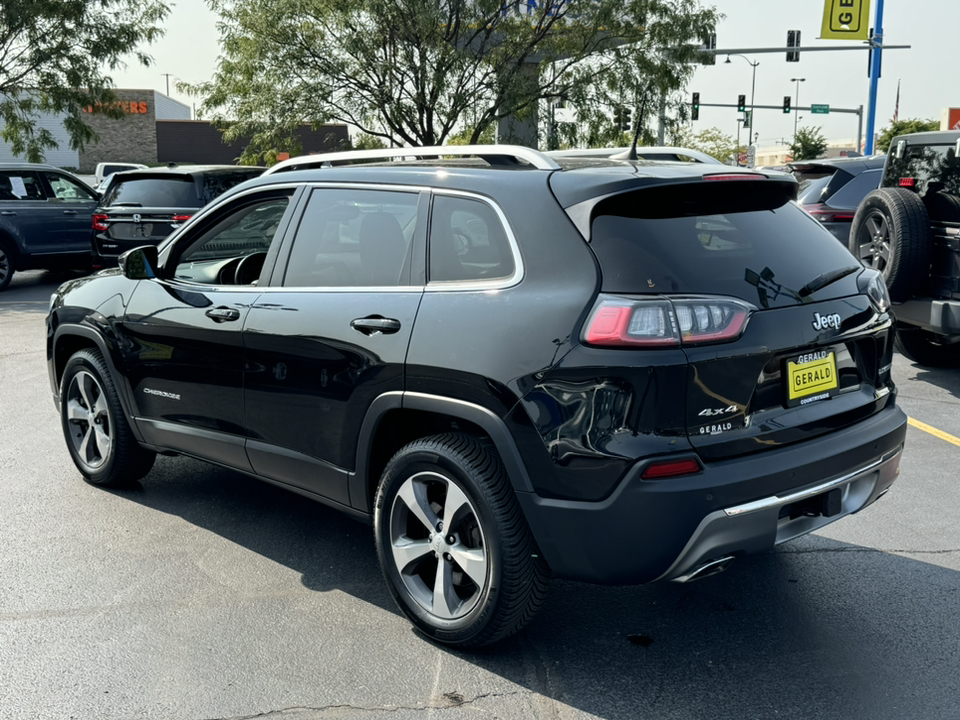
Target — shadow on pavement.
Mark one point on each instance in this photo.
(818, 629)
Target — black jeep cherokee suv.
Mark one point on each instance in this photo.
(617, 372)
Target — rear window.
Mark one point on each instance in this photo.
(175, 191)
(936, 168)
(741, 239)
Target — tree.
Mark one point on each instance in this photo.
(808, 144)
(903, 127)
(53, 59)
(712, 141)
(418, 73)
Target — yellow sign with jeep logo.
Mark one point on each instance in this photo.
(845, 19)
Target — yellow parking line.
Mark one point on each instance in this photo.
(933, 431)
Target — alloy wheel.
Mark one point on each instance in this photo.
(874, 242)
(437, 545)
(88, 421)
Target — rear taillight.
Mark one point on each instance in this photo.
(99, 222)
(671, 468)
(908, 182)
(825, 213)
(665, 322)
(178, 220)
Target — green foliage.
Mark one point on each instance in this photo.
(466, 137)
(904, 127)
(363, 141)
(809, 144)
(419, 73)
(711, 141)
(53, 59)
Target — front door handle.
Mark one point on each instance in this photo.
(223, 314)
(69, 212)
(7, 212)
(375, 324)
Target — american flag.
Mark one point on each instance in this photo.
(896, 107)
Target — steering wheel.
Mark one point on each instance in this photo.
(248, 269)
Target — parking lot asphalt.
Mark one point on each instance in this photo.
(203, 593)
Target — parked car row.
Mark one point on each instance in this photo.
(50, 219)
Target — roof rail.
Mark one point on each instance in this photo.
(504, 154)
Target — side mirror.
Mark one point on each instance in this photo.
(139, 263)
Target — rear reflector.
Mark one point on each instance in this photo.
(671, 468)
(665, 321)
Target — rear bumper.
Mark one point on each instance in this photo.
(666, 529)
(938, 316)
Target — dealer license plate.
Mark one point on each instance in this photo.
(811, 377)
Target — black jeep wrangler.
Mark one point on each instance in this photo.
(909, 229)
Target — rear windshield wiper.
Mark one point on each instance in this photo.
(824, 279)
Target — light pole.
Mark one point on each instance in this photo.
(753, 85)
(796, 106)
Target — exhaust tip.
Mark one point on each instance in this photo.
(711, 567)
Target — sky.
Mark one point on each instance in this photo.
(929, 72)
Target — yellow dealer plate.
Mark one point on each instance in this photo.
(811, 377)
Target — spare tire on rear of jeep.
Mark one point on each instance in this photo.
(891, 234)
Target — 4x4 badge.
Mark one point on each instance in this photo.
(822, 322)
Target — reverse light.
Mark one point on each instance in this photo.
(99, 222)
(665, 322)
(671, 468)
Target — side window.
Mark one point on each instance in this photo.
(353, 238)
(467, 241)
(66, 189)
(232, 250)
(17, 185)
(854, 191)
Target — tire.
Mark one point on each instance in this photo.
(7, 263)
(97, 432)
(891, 233)
(492, 578)
(923, 348)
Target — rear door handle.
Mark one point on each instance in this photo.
(7, 212)
(223, 314)
(375, 324)
(69, 212)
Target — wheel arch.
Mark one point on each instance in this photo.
(10, 242)
(397, 418)
(69, 339)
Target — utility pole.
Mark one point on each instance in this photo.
(796, 106)
(877, 43)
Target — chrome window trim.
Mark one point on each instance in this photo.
(483, 284)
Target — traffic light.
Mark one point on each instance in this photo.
(793, 41)
(617, 116)
(695, 107)
(786, 103)
(741, 103)
(625, 119)
(747, 119)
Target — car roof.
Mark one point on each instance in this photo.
(695, 155)
(495, 170)
(854, 165)
(30, 166)
(187, 170)
(935, 137)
